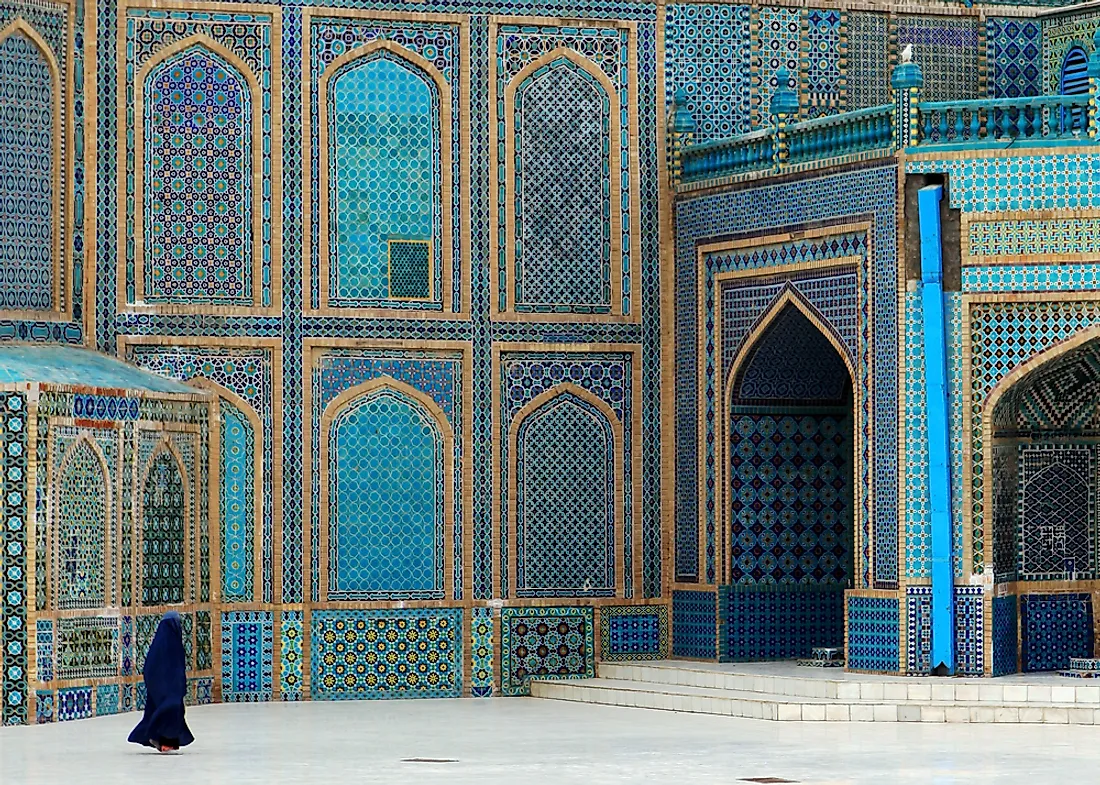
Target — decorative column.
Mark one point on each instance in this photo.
(680, 134)
(1094, 87)
(784, 111)
(939, 437)
(906, 81)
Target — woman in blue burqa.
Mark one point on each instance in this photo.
(163, 726)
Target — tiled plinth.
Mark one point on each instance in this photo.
(780, 691)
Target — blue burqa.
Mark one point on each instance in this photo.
(165, 689)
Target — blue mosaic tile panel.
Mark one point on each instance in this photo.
(386, 498)
(778, 45)
(248, 373)
(290, 665)
(126, 644)
(577, 101)
(1028, 182)
(565, 501)
(707, 54)
(946, 49)
(107, 699)
(1053, 628)
(247, 652)
(633, 632)
(695, 624)
(44, 702)
(566, 461)
(779, 622)
(193, 255)
(386, 654)
(197, 113)
(874, 639)
(87, 648)
(918, 513)
(393, 190)
(481, 653)
(74, 704)
(823, 88)
(969, 626)
(1057, 516)
(203, 690)
(1030, 278)
(1005, 636)
(380, 96)
(126, 697)
(27, 224)
(139, 696)
(545, 643)
(1060, 34)
(868, 66)
(1013, 57)
(44, 649)
(791, 522)
(13, 561)
(563, 244)
(384, 567)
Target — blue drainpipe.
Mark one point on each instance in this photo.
(939, 460)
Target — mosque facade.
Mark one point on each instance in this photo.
(423, 349)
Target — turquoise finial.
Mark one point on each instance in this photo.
(784, 99)
(682, 121)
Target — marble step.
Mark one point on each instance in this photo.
(765, 706)
(851, 687)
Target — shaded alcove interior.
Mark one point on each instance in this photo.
(1045, 444)
(789, 491)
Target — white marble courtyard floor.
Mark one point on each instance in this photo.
(528, 741)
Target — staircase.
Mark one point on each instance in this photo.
(779, 691)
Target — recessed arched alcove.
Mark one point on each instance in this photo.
(789, 489)
(1045, 446)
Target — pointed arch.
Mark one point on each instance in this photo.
(539, 68)
(165, 447)
(615, 547)
(416, 63)
(252, 177)
(985, 421)
(58, 303)
(346, 402)
(60, 499)
(217, 489)
(788, 298)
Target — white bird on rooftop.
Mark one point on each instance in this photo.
(907, 54)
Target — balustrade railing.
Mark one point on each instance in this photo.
(842, 134)
(1043, 118)
(906, 123)
(751, 152)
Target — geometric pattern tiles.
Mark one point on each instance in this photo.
(198, 211)
(1053, 628)
(28, 255)
(545, 643)
(390, 427)
(633, 632)
(1013, 57)
(946, 49)
(789, 491)
(384, 182)
(564, 211)
(384, 175)
(563, 434)
(246, 373)
(708, 55)
(247, 656)
(386, 654)
(1057, 512)
(197, 126)
(862, 195)
(874, 638)
(969, 623)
